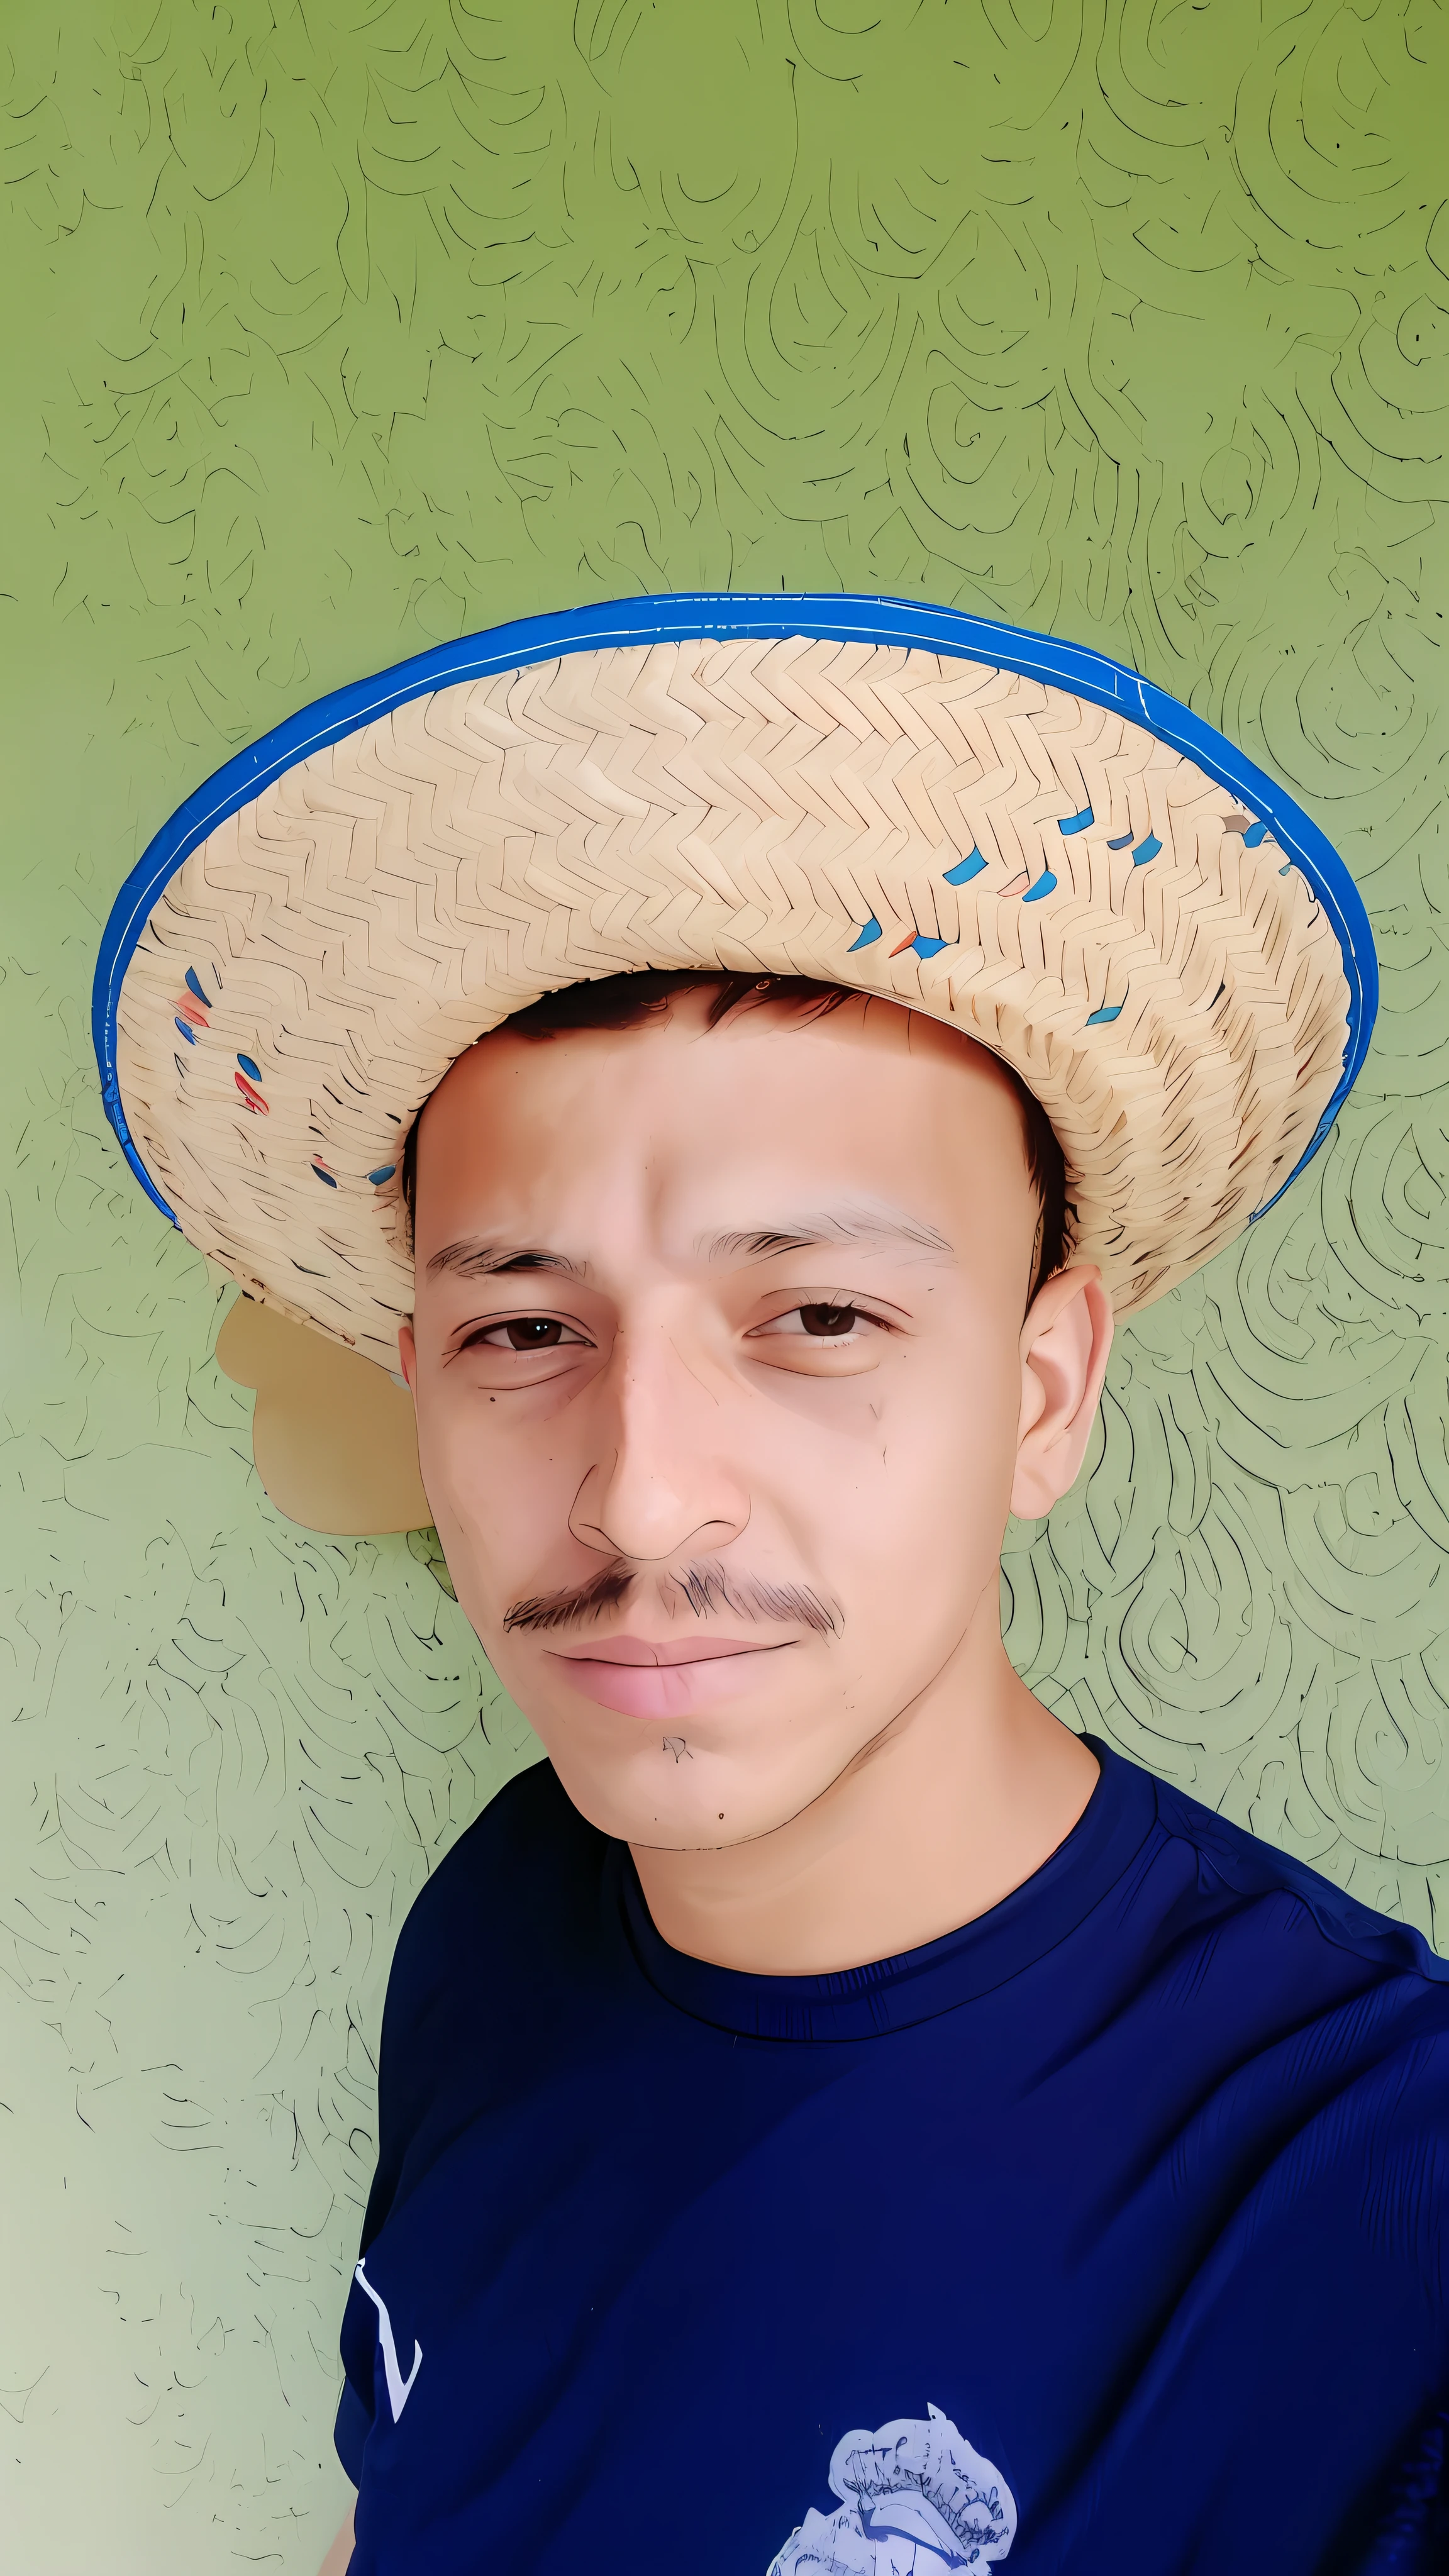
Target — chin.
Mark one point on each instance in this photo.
(631, 1801)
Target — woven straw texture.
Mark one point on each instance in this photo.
(1041, 873)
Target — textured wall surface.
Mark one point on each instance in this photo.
(334, 331)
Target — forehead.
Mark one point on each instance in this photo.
(733, 1126)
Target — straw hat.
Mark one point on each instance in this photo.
(1009, 833)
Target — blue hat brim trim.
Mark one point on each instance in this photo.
(763, 617)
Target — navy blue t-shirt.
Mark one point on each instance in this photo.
(1103, 2237)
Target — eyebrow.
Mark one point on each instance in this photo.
(876, 1228)
(473, 1258)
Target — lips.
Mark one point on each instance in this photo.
(642, 1679)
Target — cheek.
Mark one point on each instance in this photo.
(499, 1498)
(896, 1503)
(918, 1526)
(939, 1447)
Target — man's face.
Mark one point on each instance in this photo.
(717, 1356)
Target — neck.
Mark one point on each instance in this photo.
(959, 1799)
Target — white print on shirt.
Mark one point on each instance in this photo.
(399, 2390)
(916, 2500)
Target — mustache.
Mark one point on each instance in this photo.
(701, 1588)
(573, 1605)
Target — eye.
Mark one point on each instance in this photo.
(522, 1333)
(828, 1323)
(818, 1322)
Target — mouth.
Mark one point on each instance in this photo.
(640, 1678)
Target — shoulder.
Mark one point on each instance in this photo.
(498, 1949)
(506, 1890)
(1280, 1889)
(1314, 2021)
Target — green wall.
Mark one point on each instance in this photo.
(334, 331)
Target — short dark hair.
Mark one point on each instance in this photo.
(631, 1001)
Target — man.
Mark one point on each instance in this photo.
(831, 2117)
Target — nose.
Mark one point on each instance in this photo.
(658, 1486)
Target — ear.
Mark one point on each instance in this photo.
(1065, 1343)
(407, 1351)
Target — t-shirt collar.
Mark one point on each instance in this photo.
(891, 1994)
